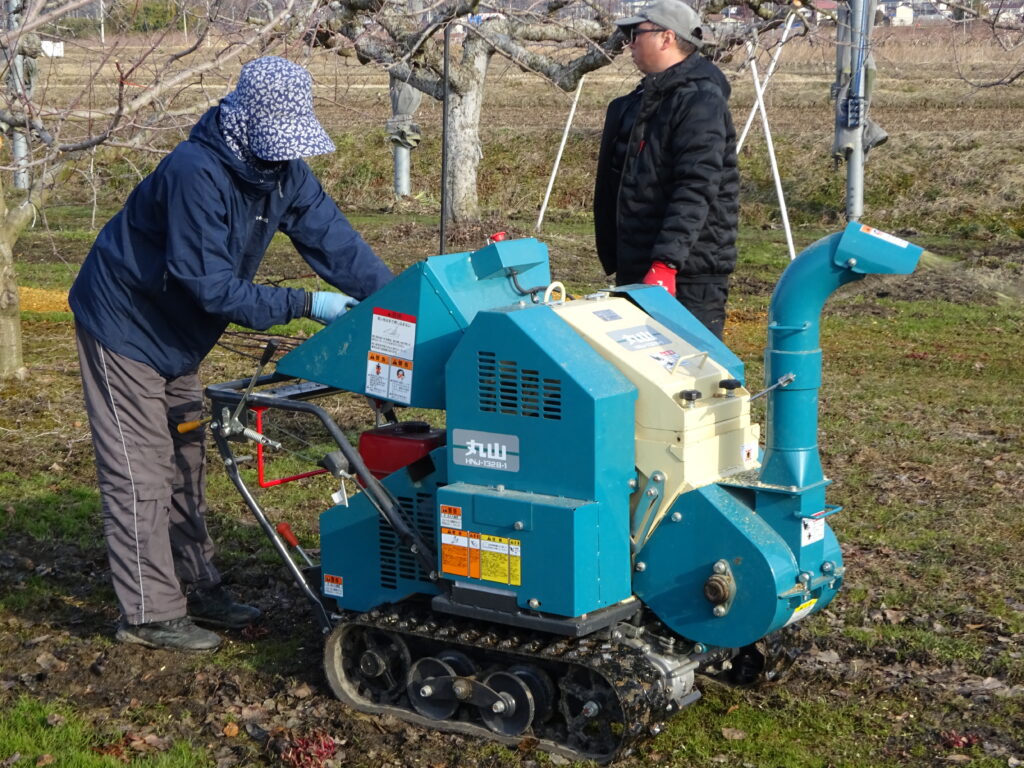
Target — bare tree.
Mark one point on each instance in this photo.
(145, 91)
(560, 41)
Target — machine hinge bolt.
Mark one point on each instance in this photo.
(426, 691)
(414, 549)
(652, 491)
(616, 635)
(499, 488)
(633, 483)
(534, 603)
(498, 707)
(719, 610)
(677, 516)
(518, 525)
(699, 648)
(462, 689)
(434, 576)
(828, 566)
(720, 566)
(804, 577)
(658, 477)
(641, 566)
(590, 709)
(851, 262)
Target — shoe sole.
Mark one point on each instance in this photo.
(124, 636)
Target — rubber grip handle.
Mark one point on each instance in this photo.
(189, 426)
(286, 533)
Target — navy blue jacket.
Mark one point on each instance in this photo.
(170, 271)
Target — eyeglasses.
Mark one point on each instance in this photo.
(637, 31)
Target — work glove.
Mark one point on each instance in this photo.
(327, 306)
(662, 274)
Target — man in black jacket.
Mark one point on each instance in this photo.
(666, 198)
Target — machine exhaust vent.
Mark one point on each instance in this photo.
(397, 562)
(506, 388)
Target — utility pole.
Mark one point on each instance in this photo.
(855, 133)
(20, 80)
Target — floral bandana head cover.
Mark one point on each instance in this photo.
(269, 116)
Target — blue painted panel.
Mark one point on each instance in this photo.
(679, 558)
(358, 547)
(439, 298)
(523, 381)
(574, 557)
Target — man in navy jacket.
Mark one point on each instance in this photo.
(163, 280)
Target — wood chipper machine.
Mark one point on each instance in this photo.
(597, 521)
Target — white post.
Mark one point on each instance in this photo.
(558, 157)
(759, 94)
(103, 35)
(768, 76)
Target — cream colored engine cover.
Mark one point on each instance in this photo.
(691, 446)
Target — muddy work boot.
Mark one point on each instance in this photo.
(215, 606)
(173, 635)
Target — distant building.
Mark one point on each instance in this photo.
(903, 16)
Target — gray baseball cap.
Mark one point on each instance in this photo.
(670, 14)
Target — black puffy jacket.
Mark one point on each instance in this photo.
(667, 186)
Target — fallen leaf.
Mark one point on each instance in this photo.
(230, 730)
(53, 719)
(732, 709)
(45, 760)
(734, 734)
(50, 663)
(528, 743)
(302, 691)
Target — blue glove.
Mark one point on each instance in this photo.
(327, 306)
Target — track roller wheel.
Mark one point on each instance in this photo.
(512, 714)
(460, 662)
(430, 688)
(374, 662)
(541, 687)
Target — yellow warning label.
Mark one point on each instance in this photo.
(494, 558)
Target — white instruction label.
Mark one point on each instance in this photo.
(813, 530)
(393, 333)
(892, 239)
(334, 585)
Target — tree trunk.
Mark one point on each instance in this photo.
(11, 360)
(464, 133)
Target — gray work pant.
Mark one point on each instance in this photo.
(152, 481)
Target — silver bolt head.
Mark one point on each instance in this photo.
(827, 567)
(804, 577)
(518, 525)
(719, 611)
(851, 262)
(590, 709)
(498, 707)
(658, 477)
(652, 491)
(500, 488)
(641, 566)
(426, 691)
(720, 566)
(677, 516)
(633, 483)
(533, 602)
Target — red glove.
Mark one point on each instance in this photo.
(662, 274)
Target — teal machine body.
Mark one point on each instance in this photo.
(598, 519)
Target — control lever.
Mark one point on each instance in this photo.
(230, 424)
